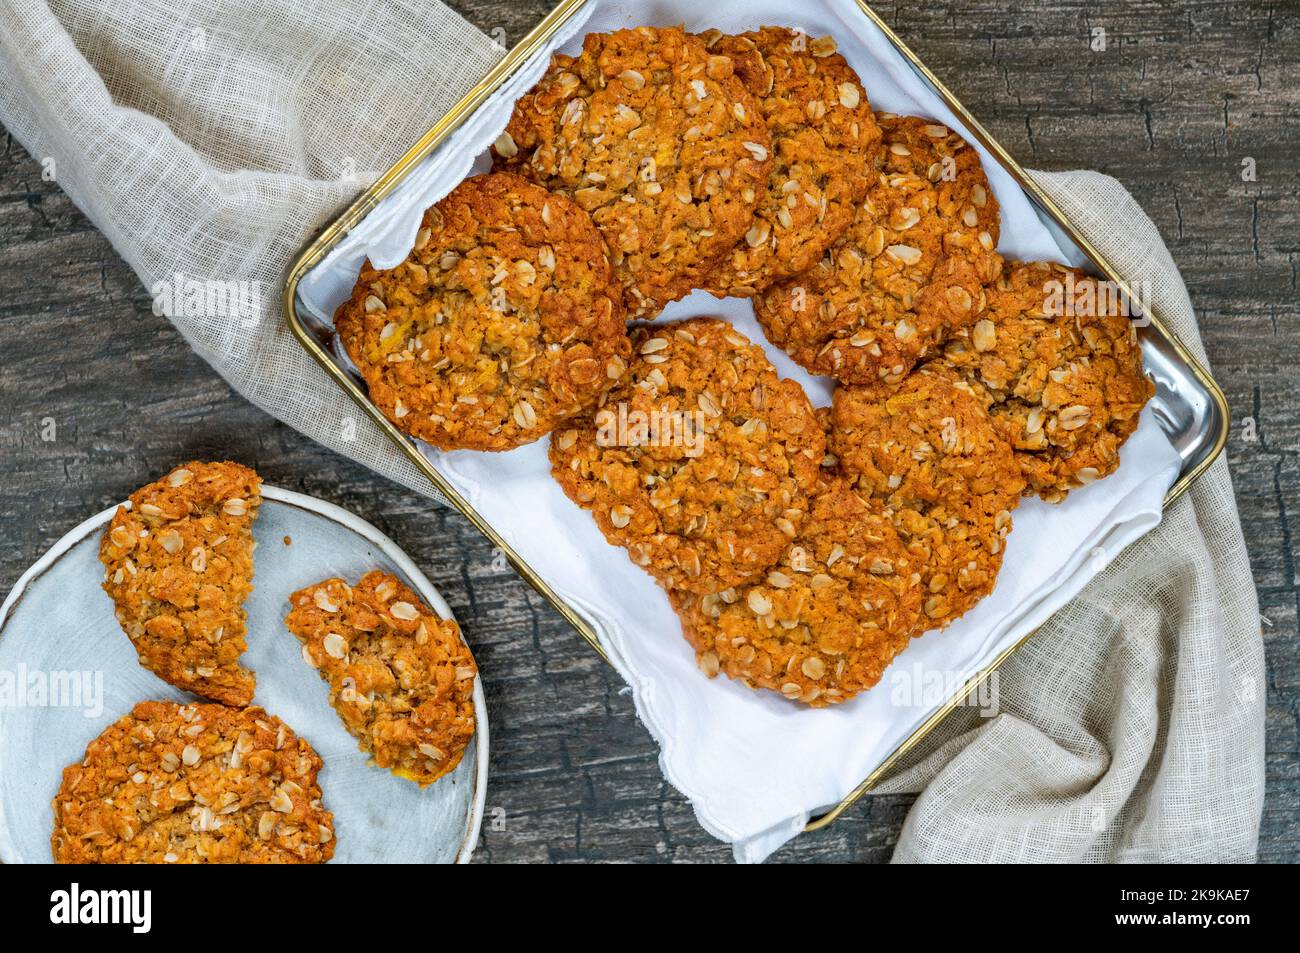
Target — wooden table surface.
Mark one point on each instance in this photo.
(1182, 96)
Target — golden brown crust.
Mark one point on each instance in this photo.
(1062, 370)
(193, 784)
(824, 137)
(927, 450)
(504, 319)
(659, 141)
(717, 507)
(910, 268)
(400, 677)
(826, 622)
(179, 565)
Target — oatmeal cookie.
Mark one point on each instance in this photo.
(822, 625)
(659, 141)
(830, 465)
(1061, 367)
(910, 268)
(178, 567)
(504, 319)
(824, 153)
(193, 784)
(927, 450)
(700, 462)
(400, 677)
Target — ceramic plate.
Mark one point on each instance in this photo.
(67, 671)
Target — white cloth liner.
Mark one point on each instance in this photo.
(754, 766)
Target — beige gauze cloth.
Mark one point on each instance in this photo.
(211, 139)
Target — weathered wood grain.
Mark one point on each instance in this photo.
(1181, 96)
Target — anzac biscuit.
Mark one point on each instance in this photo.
(927, 450)
(193, 784)
(659, 141)
(504, 319)
(1061, 367)
(824, 148)
(179, 565)
(910, 268)
(400, 677)
(822, 625)
(830, 463)
(700, 462)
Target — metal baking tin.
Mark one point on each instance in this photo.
(1189, 404)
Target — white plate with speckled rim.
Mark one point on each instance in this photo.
(67, 671)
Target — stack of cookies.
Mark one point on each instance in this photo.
(802, 548)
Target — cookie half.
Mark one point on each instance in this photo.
(824, 624)
(178, 566)
(928, 452)
(400, 677)
(659, 140)
(909, 270)
(504, 319)
(824, 152)
(700, 462)
(193, 784)
(1058, 359)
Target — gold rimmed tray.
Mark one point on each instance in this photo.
(1189, 405)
